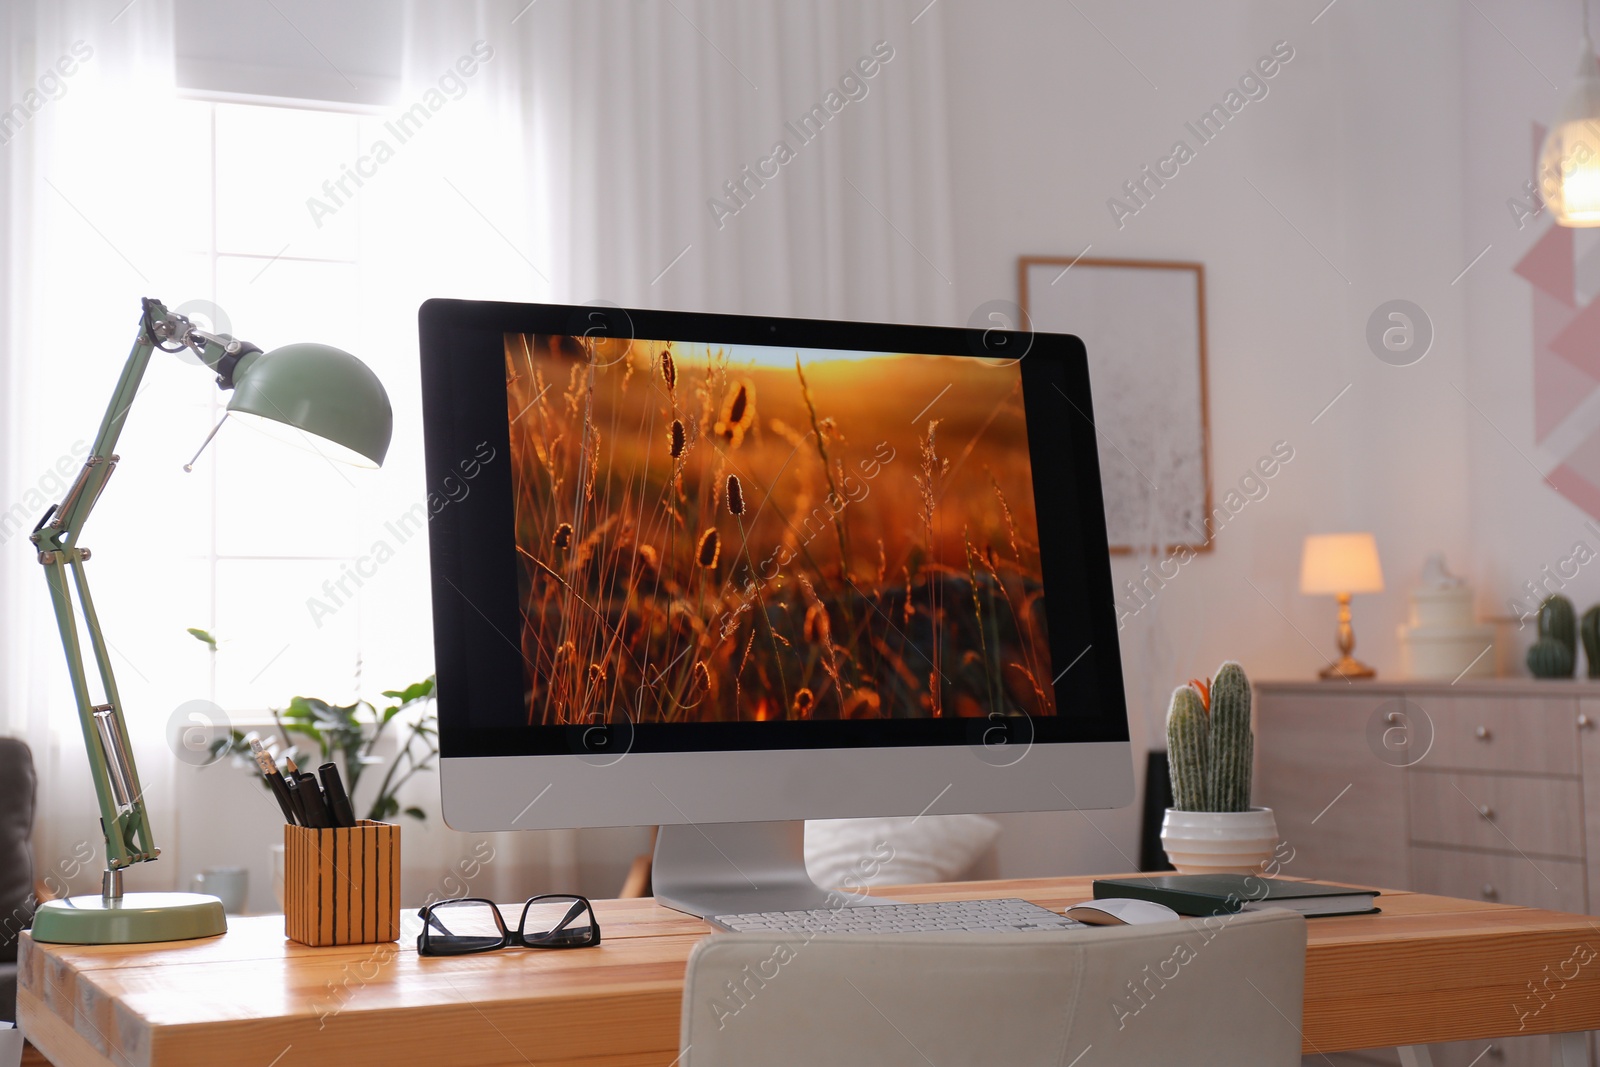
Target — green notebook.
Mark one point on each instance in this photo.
(1219, 894)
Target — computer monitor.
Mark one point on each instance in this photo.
(722, 574)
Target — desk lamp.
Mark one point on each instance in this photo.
(1339, 565)
(307, 391)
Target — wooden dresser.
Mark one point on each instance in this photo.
(1483, 789)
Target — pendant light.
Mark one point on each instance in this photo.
(1569, 159)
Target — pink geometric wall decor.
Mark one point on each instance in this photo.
(1566, 357)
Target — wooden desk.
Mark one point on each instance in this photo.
(1429, 969)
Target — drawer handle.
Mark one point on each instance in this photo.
(1486, 811)
(1483, 733)
(1585, 722)
(1489, 892)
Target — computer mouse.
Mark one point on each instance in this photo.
(1121, 911)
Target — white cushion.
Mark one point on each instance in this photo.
(856, 853)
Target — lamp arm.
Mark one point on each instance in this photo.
(123, 818)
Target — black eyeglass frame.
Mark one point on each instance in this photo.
(557, 937)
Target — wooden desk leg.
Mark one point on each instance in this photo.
(1569, 1050)
(1418, 1056)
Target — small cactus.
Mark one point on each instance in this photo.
(1591, 640)
(1232, 744)
(1550, 658)
(1557, 621)
(1189, 750)
(1210, 744)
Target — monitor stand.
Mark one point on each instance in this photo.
(735, 868)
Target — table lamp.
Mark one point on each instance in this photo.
(318, 396)
(1339, 565)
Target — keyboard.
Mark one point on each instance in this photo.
(983, 916)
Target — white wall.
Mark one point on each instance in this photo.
(1358, 144)
(1521, 524)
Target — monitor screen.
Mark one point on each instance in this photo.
(660, 532)
(711, 532)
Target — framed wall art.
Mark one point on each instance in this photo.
(1143, 323)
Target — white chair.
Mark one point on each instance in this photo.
(1225, 991)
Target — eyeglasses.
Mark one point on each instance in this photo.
(460, 927)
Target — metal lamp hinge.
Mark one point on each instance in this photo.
(64, 555)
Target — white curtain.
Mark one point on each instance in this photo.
(634, 116)
(87, 195)
(573, 152)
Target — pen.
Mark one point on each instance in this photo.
(337, 799)
(311, 797)
(275, 782)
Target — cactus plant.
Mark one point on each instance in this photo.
(1232, 744)
(1550, 658)
(1210, 744)
(1189, 750)
(1591, 640)
(1557, 621)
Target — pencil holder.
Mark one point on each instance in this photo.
(342, 886)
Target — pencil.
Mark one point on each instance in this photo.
(275, 782)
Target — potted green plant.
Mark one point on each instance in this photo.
(312, 732)
(1211, 827)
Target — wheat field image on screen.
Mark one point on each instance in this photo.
(711, 533)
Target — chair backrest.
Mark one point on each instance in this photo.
(1222, 991)
(18, 788)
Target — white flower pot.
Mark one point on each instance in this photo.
(1219, 842)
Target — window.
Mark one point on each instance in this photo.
(282, 568)
(313, 576)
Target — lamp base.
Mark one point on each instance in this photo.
(129, 920)
(1346, 668)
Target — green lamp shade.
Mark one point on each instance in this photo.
(316, 397)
